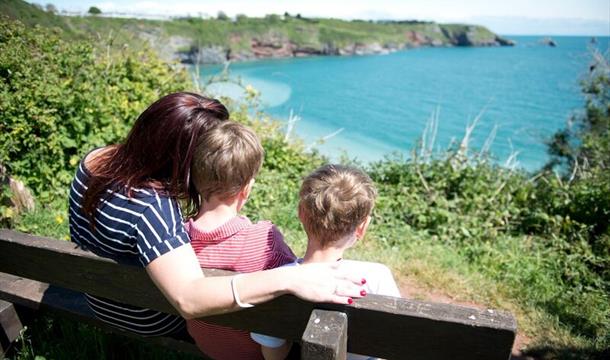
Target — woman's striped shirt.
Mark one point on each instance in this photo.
(139, 228)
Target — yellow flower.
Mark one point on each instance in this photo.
(59, 219)
(251, 92)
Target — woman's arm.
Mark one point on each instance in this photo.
(178, 275)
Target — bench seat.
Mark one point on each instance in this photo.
(381, 326)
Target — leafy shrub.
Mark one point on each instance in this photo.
(581, 153)
(60, 99)
(517, 230)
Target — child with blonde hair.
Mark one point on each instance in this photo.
(335, 208)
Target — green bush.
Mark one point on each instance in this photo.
(60, 99)
(519, 231)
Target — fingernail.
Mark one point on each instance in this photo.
(350, 301)
(363, 281)
(362, 292)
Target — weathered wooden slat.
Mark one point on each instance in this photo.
(44, 297)
(430, 331)
(10, 326)
(62, 264)
(382, 326)
(325, 337)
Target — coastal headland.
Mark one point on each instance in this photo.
(286, 36)
(192, 40)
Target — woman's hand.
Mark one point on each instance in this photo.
(324, 282)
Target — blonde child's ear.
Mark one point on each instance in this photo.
(361, 229)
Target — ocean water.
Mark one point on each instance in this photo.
(369, 106)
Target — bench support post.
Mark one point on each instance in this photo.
(325, 336)
(10, 326)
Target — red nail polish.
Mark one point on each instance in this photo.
(350, 301)
(362, 292)
(363, 281)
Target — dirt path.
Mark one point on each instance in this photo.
(410, 289)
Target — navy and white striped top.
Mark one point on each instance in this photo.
(139, 228)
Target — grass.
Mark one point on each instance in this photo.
(50, 337)
(47, 219)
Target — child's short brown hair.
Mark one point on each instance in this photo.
(227, 157)
(334, 200)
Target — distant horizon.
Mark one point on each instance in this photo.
(517, 18)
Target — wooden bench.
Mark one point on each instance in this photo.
(386, 327)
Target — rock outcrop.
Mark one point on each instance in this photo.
(548, 41)
(20, 199)
(274, 44)
(472, 36)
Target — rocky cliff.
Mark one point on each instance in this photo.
(274, 44)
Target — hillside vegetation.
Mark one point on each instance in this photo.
(219, 39)
(534, 244)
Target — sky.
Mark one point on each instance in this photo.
(512, 17)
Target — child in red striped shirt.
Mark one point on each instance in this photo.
(226, 161)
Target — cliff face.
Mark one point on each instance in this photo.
(275, 44)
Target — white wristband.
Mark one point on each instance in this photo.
(236, 295)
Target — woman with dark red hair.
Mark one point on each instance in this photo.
(124, 203)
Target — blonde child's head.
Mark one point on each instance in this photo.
(226, 160)
(334, 201)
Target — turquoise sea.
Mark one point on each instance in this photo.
(368, 106)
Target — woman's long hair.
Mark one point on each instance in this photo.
(158, 151)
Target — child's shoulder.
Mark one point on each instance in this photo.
(379, 278)
(261, 226)
(368, 266)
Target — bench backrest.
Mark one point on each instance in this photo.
(382, 326)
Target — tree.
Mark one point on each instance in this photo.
(94, 10)
(272, 18)
(222, 16)
(51, 8)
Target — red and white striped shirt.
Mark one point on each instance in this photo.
(238, 245)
